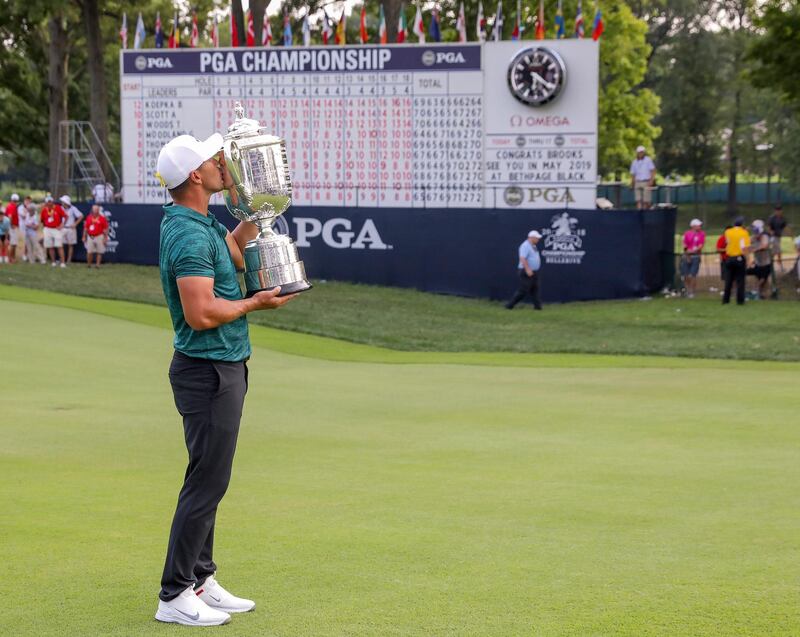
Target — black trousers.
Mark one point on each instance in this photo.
(528, 286)
(209, 395)
(735, 269)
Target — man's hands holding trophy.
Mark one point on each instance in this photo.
(270, 299)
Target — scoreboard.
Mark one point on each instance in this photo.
(493, 125)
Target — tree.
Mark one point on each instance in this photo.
(23, 95)
(58, 69)
(690, 106)
(785, 129)
(258, 8)
(241, 24)
(776, 54)
(98, 104)
(737, 14)
(43, 71)
(779, 139)
(666, 19)
(625, 112)
(392, 10)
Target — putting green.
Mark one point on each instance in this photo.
(591, 496)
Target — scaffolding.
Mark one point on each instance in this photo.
(83, 159)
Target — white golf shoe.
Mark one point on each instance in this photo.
(188, 609)
(212, 593)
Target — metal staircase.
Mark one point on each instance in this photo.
(83, 153)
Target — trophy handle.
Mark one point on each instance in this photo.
(231, 153)
(240, 189)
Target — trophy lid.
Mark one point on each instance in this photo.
(242, 126)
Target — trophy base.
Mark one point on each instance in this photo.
(270, 261)
(286, 289)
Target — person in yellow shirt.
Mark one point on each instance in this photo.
(737, 246)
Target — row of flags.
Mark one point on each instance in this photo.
(334, 33)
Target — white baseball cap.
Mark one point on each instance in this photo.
(695, 222)
(15, 197)
(48, 199)
(65, 200)
(535, 234)
(182, 155)
(641, 149)
(758, 225)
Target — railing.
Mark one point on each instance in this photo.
(621, 194)
(783, 283)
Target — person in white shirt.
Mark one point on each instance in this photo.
(74, 217)
(30, 221)
(643, 178)
(530, 262)
(103, 193)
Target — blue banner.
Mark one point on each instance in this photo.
(314, 59)
(586, 254)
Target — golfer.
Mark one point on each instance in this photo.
(198, 261)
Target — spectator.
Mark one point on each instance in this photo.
(5, 233)
(721, 252)
(74, 217)
(53, 218)
(95, 236)
(693, 241)
(528, 270)
(797, 263)
(762, 257)
(737, 245)
(103, 193)
(14, 237)
(29, 219)
(643, 178)
(777, 226)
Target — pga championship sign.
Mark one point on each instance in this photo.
(494, 125)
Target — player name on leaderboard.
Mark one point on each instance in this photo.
(392, 126)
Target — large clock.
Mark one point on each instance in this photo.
(536, 75)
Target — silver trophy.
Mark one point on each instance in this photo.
(262, 192)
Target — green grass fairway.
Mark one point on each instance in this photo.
(527, 495)
(412, 321)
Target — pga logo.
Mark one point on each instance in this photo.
(142, 63)
(113, 242)
(429, 58)
(338, 233)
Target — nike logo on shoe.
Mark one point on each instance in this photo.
(216, 599)
(194, 617)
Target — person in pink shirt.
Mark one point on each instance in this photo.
(693, 241)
